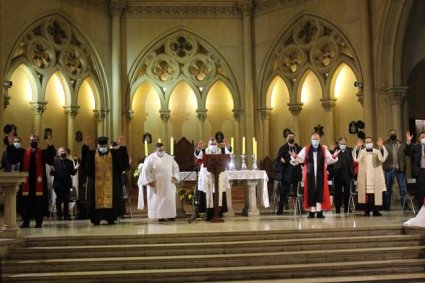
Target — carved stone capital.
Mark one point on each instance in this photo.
(328, 103)
(117, 7)
(39, 107)
(202, 115)
(129, 114)
(101, 114)
(164, 115)
(265, 113)
(237, 113)
(360, 97)
(396, 94)
(295, 108)
(6, 99)
(246, 8)
(72, 111)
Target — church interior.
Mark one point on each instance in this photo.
(179, 71)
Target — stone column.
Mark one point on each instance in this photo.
(295, 109)
(246, 9)
(101, 117)
(38, 108)
(202, 116)
(129, 116)
(397, 95)
(116, 8)
(328, 104)
(71, 112)
(367, 68)
(265, 135)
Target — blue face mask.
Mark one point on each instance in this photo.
(103, 149)
(161, 153)
(315, 143)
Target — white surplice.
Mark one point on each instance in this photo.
(162, 197)
(419, 220)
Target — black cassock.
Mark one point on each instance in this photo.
(119, 165)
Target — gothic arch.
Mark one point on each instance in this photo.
(308, 43)
(177, 55)
(53, 43)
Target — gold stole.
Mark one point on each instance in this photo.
(103, 180)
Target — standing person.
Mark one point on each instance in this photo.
(417, 152)
(395, 166)
(315, 158)
(34, 194)
(370, 179)
(103, 168)
(290, 175)
(13, 154)
(62, 170)
(160, 173)
(343, 174)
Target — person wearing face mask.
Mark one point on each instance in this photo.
(343, 174)
(417, 153)
(34, 193)
(289, 175)
(205, 178)
(13, 154)
(103, 168)
(395, 166)
(315, 158)
(160, 173)
(62, 170)
(370, 179)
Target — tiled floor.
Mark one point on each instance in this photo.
(139, 225)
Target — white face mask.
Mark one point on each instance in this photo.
(342, 146)
(369, 145)
(17, 144)
(423, 141)
(103, 149)
(212, 148)
(161, 153)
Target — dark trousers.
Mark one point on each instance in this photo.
(420, 182)
(342, 192)
(283, 191)
(370, 203)
(62, 198)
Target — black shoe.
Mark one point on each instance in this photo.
(66, 218)
(111, 222)
(171, 219)
(25, 225)
(366, 213)
(161, 219)
(376, 213)
(38, 225)
(310, 215)
(320, 215)
(279, 212)
(338, 211)
(96, 223)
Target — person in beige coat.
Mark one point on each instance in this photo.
(370, 180)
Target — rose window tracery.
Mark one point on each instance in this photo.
(73, 61)
(41, 53)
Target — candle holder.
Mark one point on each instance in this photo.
(232, 162)
(254, 162)
(243, 166)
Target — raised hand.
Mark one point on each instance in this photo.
(360, 143)
(409, 137)
(380, 142)
(336, 152)
(122, 140)
(87, 140)
(49, 140)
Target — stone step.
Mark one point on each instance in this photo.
(209, 236)
(220, 260)
(398, 266)
(200, 248)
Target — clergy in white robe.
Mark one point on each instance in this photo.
(370, 179)
(160, 173)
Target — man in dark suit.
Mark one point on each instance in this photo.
(291, 174)
(417, 152)
(343, 174)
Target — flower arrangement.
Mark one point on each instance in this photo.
(185, 194)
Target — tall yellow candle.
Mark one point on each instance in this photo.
(243, 145)
(159, 140)
(146, 148)
(254, 149)
(172, 146)
(232, 144)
